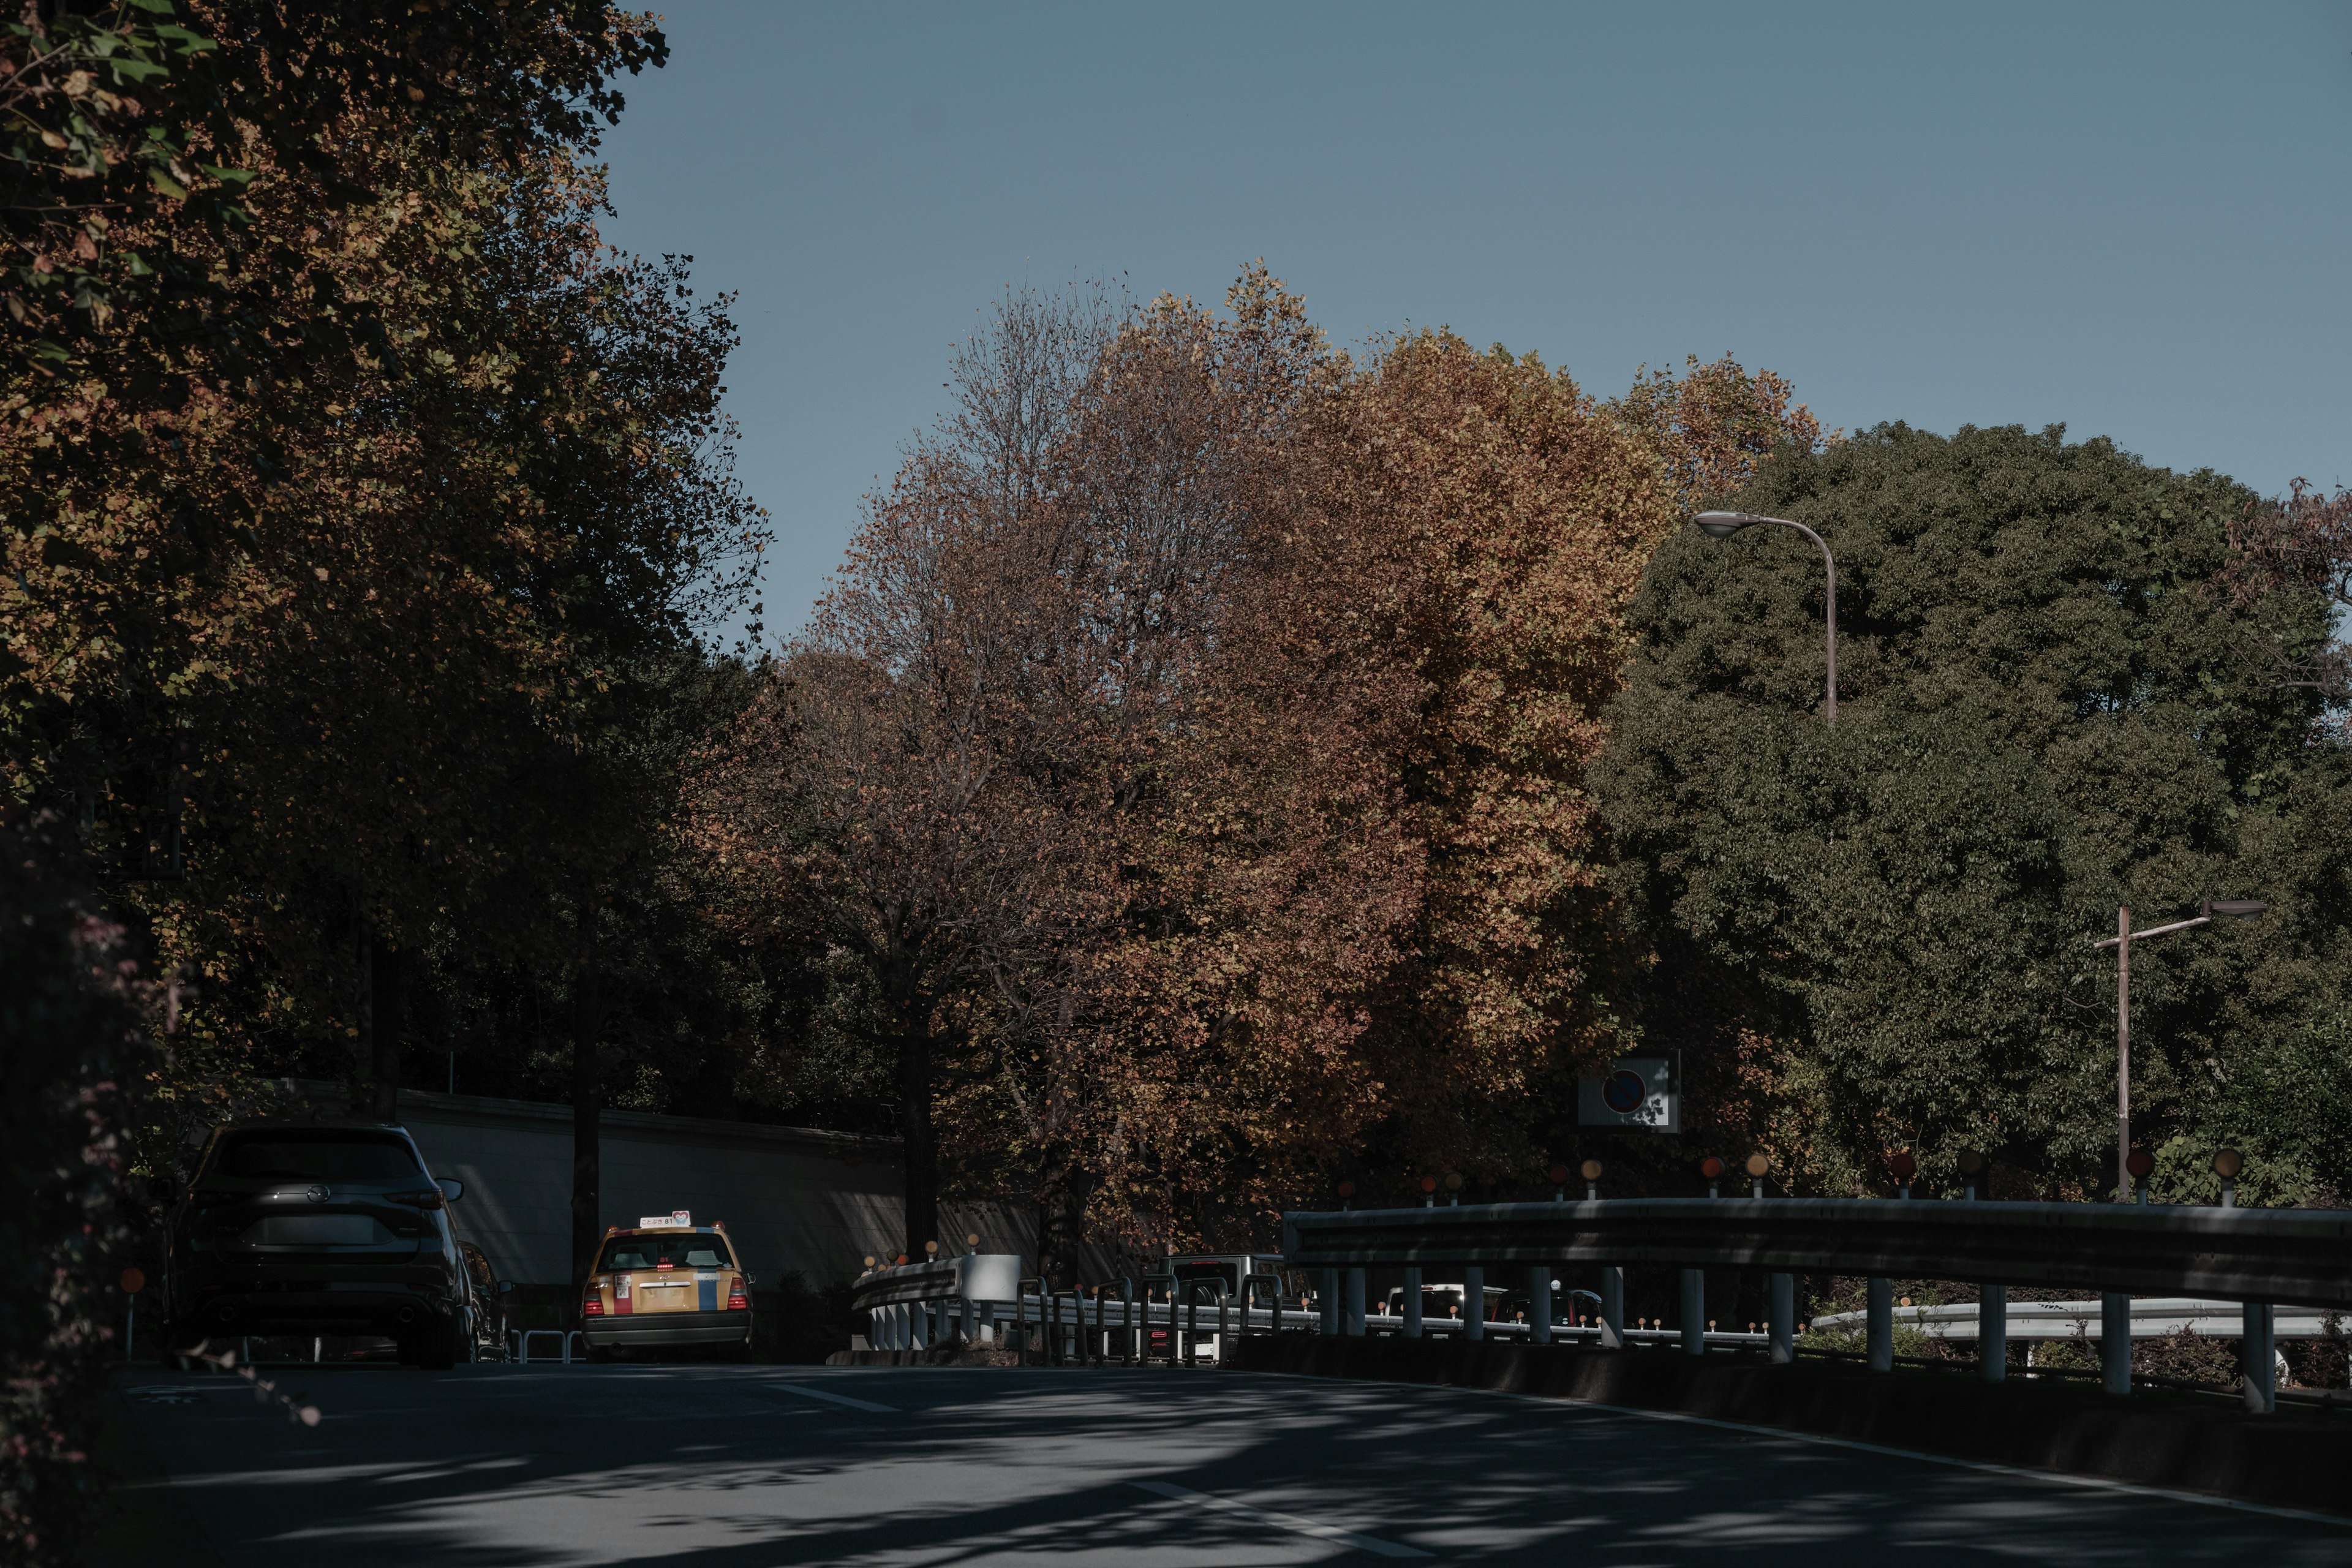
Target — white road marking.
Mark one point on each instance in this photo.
(833, 1398)
(1289, 1521)
(1993, 1468)
(2063, 1479)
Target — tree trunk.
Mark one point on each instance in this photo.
(1061, 1210)
(915, 1129)
(375, 1050)
(902, 987)
(587, 1106)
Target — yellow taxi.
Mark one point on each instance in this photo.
(662, 1282)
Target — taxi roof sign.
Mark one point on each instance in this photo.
(677, 1219)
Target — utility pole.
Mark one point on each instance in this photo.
(2228, 909)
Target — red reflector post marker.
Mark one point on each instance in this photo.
(134, 1279)
(1695, 1280)
(1780, 1289)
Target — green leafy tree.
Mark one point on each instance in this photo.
(2049, 705)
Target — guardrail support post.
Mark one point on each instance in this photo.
(1473, 1300)
(1613, 1307)
(1540, 1304)
(2115, 1340)
(1327, 1300)
(1694, 1311)
(1782, 1294)
(2259, 1351)
(1351, 1305)
(1412, 1302)
(1992, 1333)
(1881, 1326)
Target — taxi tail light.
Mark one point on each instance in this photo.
(736, 1300)
(592, 1304)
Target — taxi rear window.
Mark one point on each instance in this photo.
(686, 1250)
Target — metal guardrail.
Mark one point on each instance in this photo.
(2256, 1257)
(521, 1340)
(2302, 1257)
(907, 1310)
(2152, 1316)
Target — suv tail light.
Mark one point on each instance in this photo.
(736, 1300)
(592, 1304)
(425, 1200)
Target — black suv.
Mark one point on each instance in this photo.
(317, 1228)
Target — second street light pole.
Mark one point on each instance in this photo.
(1724, 524)
(2230, 909)
(2122, 1052)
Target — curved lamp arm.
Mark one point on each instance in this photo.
(1724, 524)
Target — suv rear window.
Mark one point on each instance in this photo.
(1207, 1270)
(316, 1154)
(684, 1250)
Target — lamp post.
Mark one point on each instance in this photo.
(1724, 524)
(2224, 909)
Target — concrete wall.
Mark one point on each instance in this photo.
(792, 1198)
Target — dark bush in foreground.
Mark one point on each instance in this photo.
(72, 1041)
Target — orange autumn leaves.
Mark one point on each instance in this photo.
(1503, 523)
(1242, 694)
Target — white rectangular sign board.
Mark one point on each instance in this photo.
(1636, 1092)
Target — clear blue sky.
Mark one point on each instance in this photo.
(2129, 219)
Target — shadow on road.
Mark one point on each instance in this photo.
(740, 1467)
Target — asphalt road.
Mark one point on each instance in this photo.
(724, 1467)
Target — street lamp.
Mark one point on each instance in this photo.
(2207, 914)
(1724, 524)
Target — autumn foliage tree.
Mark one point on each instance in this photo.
(1217, 741)
(348, 479)
(356, 503)
(1711, 426)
